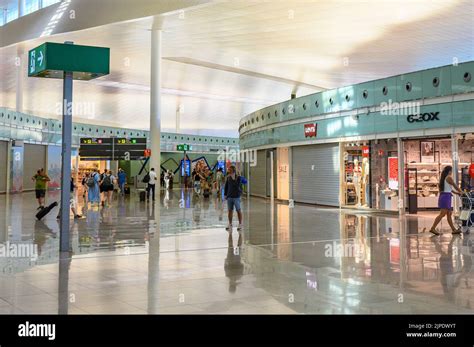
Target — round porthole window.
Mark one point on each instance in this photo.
(435, 82)
(330, 101)
(347, 98)
(385, 90)
(316, 104)
(283, 111)
(276, 113)
(263, 117)
(408, 87)
(467, 77)
(304, 107)
(14, 118)
(365, 94)
(269, 115)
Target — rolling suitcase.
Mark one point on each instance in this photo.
(142, 195)
(43, 212)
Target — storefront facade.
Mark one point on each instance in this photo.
(377, 145)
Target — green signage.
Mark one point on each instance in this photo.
(183, 148)
(50, 60)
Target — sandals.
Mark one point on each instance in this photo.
(433, 231)
(457, 232)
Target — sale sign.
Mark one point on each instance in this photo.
(310, 130)
(393, 173)
(365, 151)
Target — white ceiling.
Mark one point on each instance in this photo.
(229, 58)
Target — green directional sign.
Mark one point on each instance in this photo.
(183, 148)
(50, 60)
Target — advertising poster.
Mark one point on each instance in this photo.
(201, 166)
(427, 151)
(393, 173)
(54, 167)
(17, 170)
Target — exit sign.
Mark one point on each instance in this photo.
(50, 60)
(183, 148)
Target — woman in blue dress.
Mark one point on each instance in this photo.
(94, 193)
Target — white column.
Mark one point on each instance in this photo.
(155, 99)
(19, 81)
(178, 119)
(455, 156)
(21, 8)
(401, 177)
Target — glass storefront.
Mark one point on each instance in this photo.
(356, 174)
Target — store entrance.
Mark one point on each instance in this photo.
(356, 171)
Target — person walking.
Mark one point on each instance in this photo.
(93, 190)
(171, 178)
(220, 180)
(232, 193)
(107, 185)
(167, 180)
(152, 184)
(162, 179)
(122, 180)
(72, 201)
(41, 180)
(84, 185)
(447, 187)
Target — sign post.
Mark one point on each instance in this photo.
(67, 62)
(66, 161)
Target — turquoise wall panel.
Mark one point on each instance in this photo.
(330, 101)
(458, 75)
(384, 123)
(368, 88)
(347, 98)
(390, 85)
(436, 82)
(463, 113)
(409, 86)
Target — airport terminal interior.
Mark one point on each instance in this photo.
(332, 137)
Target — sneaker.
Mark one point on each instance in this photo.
(77, 216)
(239, 228)
(229, 228)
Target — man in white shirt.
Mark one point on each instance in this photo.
(152, 183)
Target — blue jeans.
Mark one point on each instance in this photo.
(231, 202)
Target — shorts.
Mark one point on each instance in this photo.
(107, 188)
(231, 202)
(445, 201)
(40, 193)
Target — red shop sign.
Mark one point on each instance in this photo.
(365, 151)
(310, 130)
(147, 153)
(471, 170)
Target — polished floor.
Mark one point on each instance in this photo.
(175, 257)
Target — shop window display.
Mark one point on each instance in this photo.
(356, 185)
(384, 183)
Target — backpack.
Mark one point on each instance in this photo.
(107, 181)
(91, 181)
(146, 179)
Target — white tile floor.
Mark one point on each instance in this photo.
(122, 265)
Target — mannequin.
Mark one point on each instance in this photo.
(365, 179)
(357, 180)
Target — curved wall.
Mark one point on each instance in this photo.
(357, 111)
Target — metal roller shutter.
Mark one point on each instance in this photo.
(35, 158)
(3, 166)
(258, 175)
(316, 174)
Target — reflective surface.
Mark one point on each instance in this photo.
(288, 260)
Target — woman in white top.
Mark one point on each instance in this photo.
(446, 189)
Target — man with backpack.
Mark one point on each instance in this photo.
(232, 193)
(93, 192)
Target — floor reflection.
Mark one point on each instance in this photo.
(175, 256)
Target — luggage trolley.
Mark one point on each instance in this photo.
(466, 217)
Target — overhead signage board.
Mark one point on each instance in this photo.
(112, 148)
(184, 148)
(310, 130)
(50, 60)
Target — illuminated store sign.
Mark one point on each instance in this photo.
(310, 130)
(423, 117)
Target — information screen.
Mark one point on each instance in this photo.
(112, 148)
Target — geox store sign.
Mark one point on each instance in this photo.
(423, 117)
